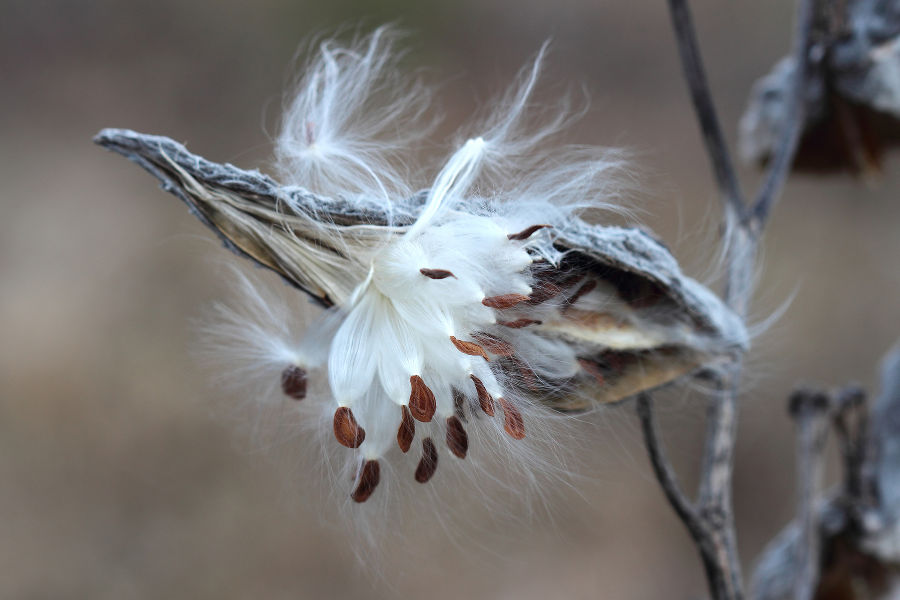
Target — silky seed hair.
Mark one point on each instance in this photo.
(433, 363)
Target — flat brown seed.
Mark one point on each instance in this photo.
(459, 404)
(346, 429)
(504, 301)
(457, 438)
(407, 430)
(519, 323)
(369, 476)
(484, 399)
(543, 292)
(428, 462)
(587, 288)
(494, 344)
(526, 233)
(512, 420)
(421, 400)
(437, 273)
(293, 382)
(470, 348)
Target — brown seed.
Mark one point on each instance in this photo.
(293, 382)
(494, 344)
(470, 348)
(437, 273)
(369, 476)
(407, 430)
(346, 429)
(457, 438)
(519, 323)
(585, 289)
(459, 404)
(504, 300)
(428, 462)
(512, 419)
(526, 233)
(543, 292)
(421, 400)
(484, 399)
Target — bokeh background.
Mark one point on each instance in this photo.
(118, 476)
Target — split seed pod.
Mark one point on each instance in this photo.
(441, 302)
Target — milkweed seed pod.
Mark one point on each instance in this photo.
(476, 294)
(852, 95)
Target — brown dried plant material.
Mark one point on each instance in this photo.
(436, 273)
(459, 404)
(484, 399)
(587, 288)
(421, 400)
(470, 348)
(457, 438)
(519, 323)
(428, 463)
(493, 344)
(293, 382)
(513, 423)
(407, 430)
(542, 292)
(526, 233)
(346, 429)
(659, 308)
(369, 476)
(504, 301)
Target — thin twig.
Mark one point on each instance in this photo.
(663, 470)
(705, 537)
(795, 116)
(716, 149)
(810, 410)
(714, 510)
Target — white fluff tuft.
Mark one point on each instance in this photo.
(421, 332)
(351, 120)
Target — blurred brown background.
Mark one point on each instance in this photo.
(118, 478)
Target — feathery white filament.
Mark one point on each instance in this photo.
(418, 330)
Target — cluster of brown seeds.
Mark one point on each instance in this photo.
(422, 404)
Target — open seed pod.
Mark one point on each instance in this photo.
(615, 298)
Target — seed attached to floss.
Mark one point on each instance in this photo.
(437, 273)
(519, 323)
(494, 344)
(484, 399)
(512, 419)
(459, 404)
(543, 292)
(407, 430)
(526, 233)
(428, 462)
(369, 476)
(457, 438)
(504, 301)
(293, 382)
(421, 400)
(470, 348)
(346, 429)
